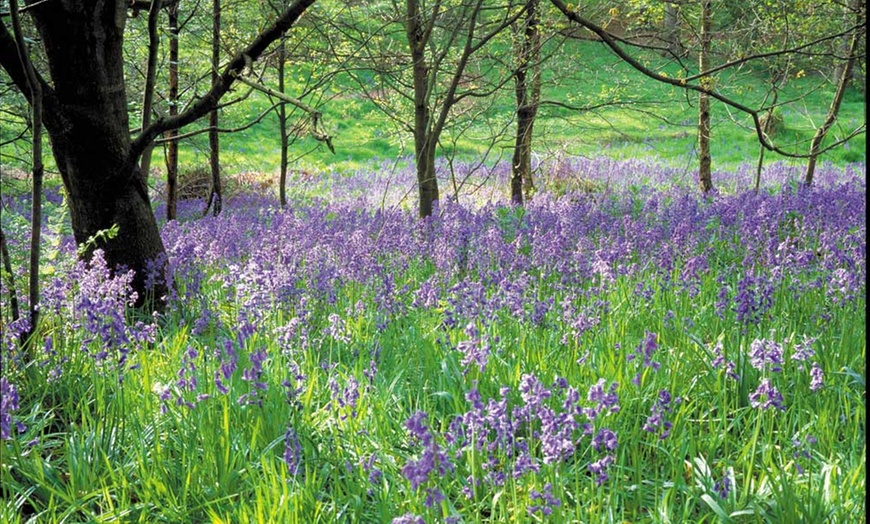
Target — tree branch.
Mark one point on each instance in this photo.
(230, 74)
(312, 112)
(609, 40)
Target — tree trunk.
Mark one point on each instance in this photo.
(282, 124)
(705, 178)
(424, 143)
(85, 113)
(172, 142)
(527, 82)
(10, 277)
(834, 109)
(150, 79)
(672, 30)
(215, 197)
(38, 170)
(765, 128)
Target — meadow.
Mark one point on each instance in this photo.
(621, 349)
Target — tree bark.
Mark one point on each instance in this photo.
(87, 120)
(215, 197)
(282, 125)
(705, 178)
(35, 89)
(834, 109)
(172, 143)
(10, 277)
(672, 30)
(527, 83)
(424, 147)
(150, 78)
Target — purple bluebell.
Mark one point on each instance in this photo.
(599, 469)
(657, 420)
(719, 360)
(817, 377)
(408, 518)
(9, 403)
(645, 349)
(605, 401)
(766, 396)
(722, 487)
(432, 459)
(474, 349)
(545, 501)
(605, 439)
(803, 351)
(766, 354)
(292, 452)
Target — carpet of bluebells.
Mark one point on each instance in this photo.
(621, 349)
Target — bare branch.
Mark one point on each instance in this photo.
(314, 114)
(608, 39)
(230, 74)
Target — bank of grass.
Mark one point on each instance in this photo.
(649, 119)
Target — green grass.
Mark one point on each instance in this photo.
(653, 120)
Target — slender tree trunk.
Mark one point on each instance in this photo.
(424, 143)
(282, 124)
(215, 197)
(765, 128)
(150, 79)
(834, 109)
(527, 82)
(705, 178)
(36, 102)
(10, 277)
(172, 143)
(672, 29)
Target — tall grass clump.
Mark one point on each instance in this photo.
(636, 353)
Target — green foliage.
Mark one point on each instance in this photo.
(93, 241)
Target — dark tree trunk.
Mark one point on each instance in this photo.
(427, 180)
(86, 117)
(424, 143)
(172, 142)
(215, 197)
(150, 78)
(10, 277)
(282, 123)
(527, 83)
(35, 90)
(842, 82)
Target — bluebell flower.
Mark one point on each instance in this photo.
(605, 439)
(408, 518)
(765, 353)
(546, 500)
(9, 401)
(292, 452)
(722, 487)
(766, 396)
(599, 468)
(817, 377)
